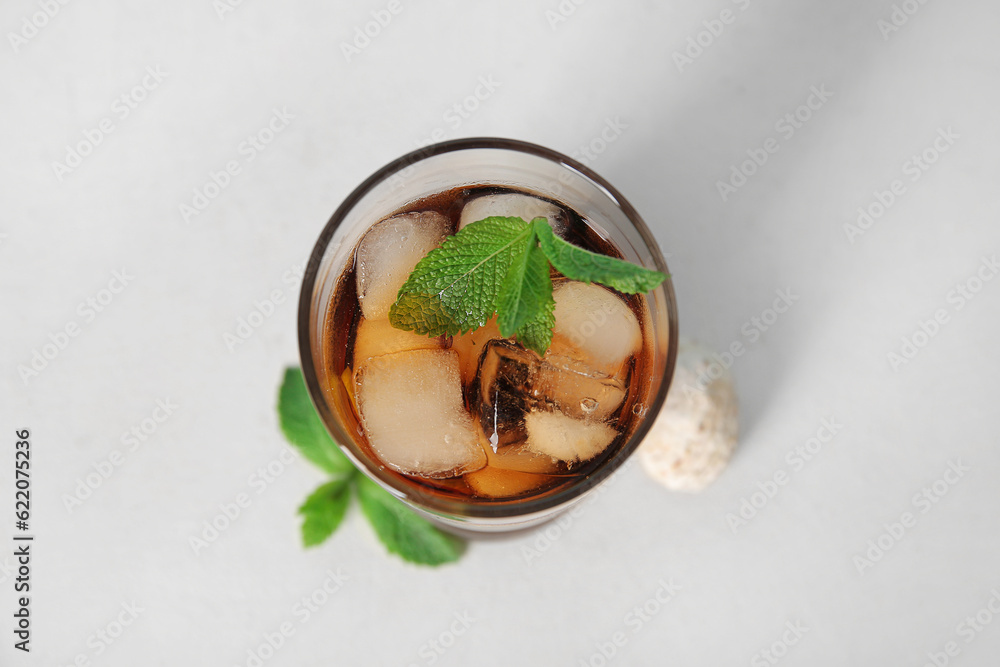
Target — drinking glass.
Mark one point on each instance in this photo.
(469, 163)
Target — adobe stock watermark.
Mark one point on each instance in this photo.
(552, 532)
(230, 511)
(914, 169)
(779, 648)
(597, 319)
(264, 308)
(433, 649)
(957, 298)
(102, 639)
(967, 631)
(247, 151)
(786, 127)
(301, 612)
(796, 459)
(364, 34)
(612, 131)
(705, 38)
(455, 115)
(121, 109)
(588, 153)
(923, 502)
(132, 440)
(562, 12)
(32, 24)
(461, 111)
(753, 330)
(224, 8)
(899, 16)
(59, 340)
(634, 621)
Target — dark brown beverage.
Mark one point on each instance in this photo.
(478, 417)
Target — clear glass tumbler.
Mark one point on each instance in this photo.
(442, 167)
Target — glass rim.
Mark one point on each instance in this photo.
(455, 509)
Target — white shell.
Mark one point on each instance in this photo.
(696, 432)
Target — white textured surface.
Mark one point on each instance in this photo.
(607, 69)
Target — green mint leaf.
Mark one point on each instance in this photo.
(303, 428)
(536, 333)
(454, 288)
(402, 531)
(579, 264)
(324, 509)
(526, 292)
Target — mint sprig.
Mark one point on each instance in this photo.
(403, 532)
(501, 265)
(302, 427)
(399, 528)
(324, 509)
(589, 267)
(454, 288)
(526, 291)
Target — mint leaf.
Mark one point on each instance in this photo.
(324, 510)
(303, 428)
(454, 288)
(579, 264)
(536, 333)
(402, 531)
(526, 296)
(501, 265)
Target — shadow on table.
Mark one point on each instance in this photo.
(726, 259)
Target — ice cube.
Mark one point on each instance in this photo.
(387, 254)
(503, 389)
(377, 337)
(414, 416)
(516, 457)
(565, 438)
(512, 205)
(512, 381)
(595, 325)
(577, 389)
(493, 483)
(470, 346)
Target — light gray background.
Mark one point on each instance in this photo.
(534, 600)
